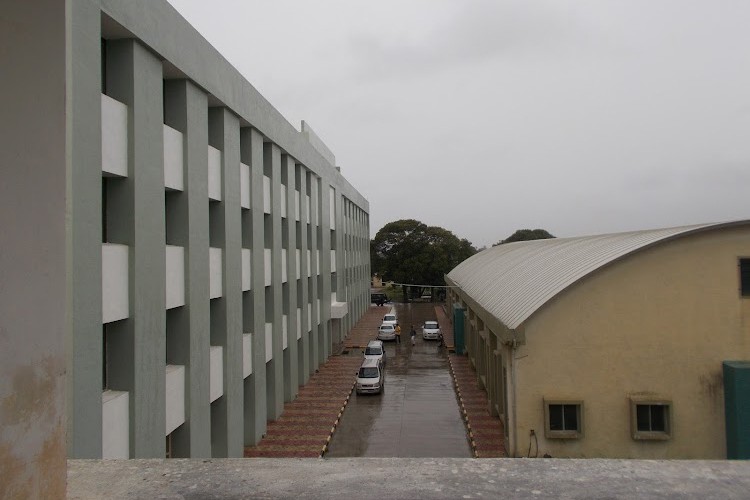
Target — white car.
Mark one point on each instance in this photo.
(370, 377)
(386, 332)
(390, 318)
(375, 350)
(431, 330)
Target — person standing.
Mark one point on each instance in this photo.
(398, 333)
(413, 335)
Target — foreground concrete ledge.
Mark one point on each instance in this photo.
(406, 478)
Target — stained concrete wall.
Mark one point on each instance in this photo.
(33, 252)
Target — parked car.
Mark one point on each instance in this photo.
(370, 377)
(390, 318)
(431, 330)
(375, 350)
(386, 332)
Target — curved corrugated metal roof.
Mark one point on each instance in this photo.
(512, 281)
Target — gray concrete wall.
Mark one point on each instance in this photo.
(179, 43)
(33, 287)
(134, 77)
(172, 76)
(189, 328)
(226, 311)
(254, 308)
(84, 349)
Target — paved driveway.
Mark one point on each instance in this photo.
(417, 415)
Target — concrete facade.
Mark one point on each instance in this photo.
(217, 254)
(651, 328)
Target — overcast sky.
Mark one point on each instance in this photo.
(483, 117)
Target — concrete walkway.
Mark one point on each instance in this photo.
(307, 424)
(446, 328)
(486, 433)
(366, 328)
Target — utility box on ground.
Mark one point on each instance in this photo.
(737, 408)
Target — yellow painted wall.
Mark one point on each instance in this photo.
(659, 323)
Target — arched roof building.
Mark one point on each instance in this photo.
(631, 326)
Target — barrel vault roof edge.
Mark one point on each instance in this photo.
(514, 280)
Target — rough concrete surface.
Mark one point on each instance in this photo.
(365, 478)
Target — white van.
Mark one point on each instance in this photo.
(370, 377)
(375, 350)
(390, 318)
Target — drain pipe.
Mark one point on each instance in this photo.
(513, 344)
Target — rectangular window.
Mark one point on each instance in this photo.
(563, 419)
(745, 277)
(650, 419)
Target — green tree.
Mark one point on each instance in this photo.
(526, 235)
(409, 251)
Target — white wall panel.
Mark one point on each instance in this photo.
(298, 253)
(332, 207)
(247, 354)
(175, 397)
(173, 159)
(114, 137)
(115, 424)
(309, 318)
(214, 173)
(216, 384)
(309, 217)
(299, 323)
(267, 194)
(333, 261)
(284, 266)
(215, 277)
(309, 263)
(317, 262)
(246, 269)
(285, 331)
(175, 285)
(283, 201)
(317, 320)
(245, 186)
(269, 342)
(297, 214)
(267, 266)
(115, 293)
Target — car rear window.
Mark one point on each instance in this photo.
(368, 372)
(387, 328)
(430, 324)
(373, 351)
(389, 317)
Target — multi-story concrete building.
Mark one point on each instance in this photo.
(622, 345)
(217, 253)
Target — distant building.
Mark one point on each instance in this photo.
(610, 345)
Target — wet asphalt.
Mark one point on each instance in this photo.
(417, 414)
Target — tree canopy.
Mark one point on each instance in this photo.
(526, 235)
(408, 251)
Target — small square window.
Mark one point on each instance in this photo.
(745, 277)
(651, 419)
(563, 419)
